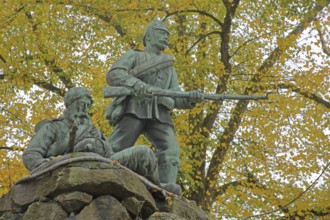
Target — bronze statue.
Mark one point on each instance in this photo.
(132, 115)
(76, 133)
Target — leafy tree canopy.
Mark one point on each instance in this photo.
(239, 158)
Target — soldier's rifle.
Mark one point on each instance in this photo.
(112, 91)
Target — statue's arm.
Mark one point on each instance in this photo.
(35, 153)
(118, 74)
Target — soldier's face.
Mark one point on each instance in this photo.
(79, 110)
(160, 39)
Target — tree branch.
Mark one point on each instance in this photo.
(11, 149)
(216, 20)
(324, 45)
(11, 19)
(306, 94)
(45, 85)
(224, 142)
(223, 188)
(3, 59)
(225, 59)
(49, 87)
(201, 38)
(208, 122)
(245, 43)
(324, 212)
(106, 18)
(2, 74)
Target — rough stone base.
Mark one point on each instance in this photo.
(91, 190)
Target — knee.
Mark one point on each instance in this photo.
(173, 160)
(145, 150)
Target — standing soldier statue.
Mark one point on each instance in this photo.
(142, 113)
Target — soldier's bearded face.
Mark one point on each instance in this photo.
(83, 104)
(79, 110)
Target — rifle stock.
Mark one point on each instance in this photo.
(113, 91)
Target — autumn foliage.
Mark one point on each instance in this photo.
(267, 159)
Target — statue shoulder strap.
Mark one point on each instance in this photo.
(144, 66)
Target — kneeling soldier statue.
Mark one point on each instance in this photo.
(76, 133)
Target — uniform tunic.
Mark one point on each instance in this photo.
(52, 139)
(147, 107)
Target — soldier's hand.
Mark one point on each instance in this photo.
(195, 96)
(140, 87)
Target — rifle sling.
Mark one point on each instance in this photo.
(154, 63)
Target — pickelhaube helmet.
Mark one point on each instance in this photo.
(75, 93)
(156, 24)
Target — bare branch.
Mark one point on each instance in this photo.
(49, 87)
(243, 182)
(11, 149)
(12, 18)
(234, 122)
(306, 94)
(169, 14)
(208, 122)
(201, 38)
(2, 74)
(225, 59)
(107, 17)
(222, 189)
(246, 42)
(225, 37)
(3, 59)
(324, 45)
(323, 212)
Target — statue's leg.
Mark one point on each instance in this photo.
(125, 132)
(167, 150)
(141, 160)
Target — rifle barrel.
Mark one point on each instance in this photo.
(124, 91)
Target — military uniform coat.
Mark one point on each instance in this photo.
(143, 107)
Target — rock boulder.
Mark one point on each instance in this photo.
(87, 186)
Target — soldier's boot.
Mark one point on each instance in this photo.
(167, 175)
